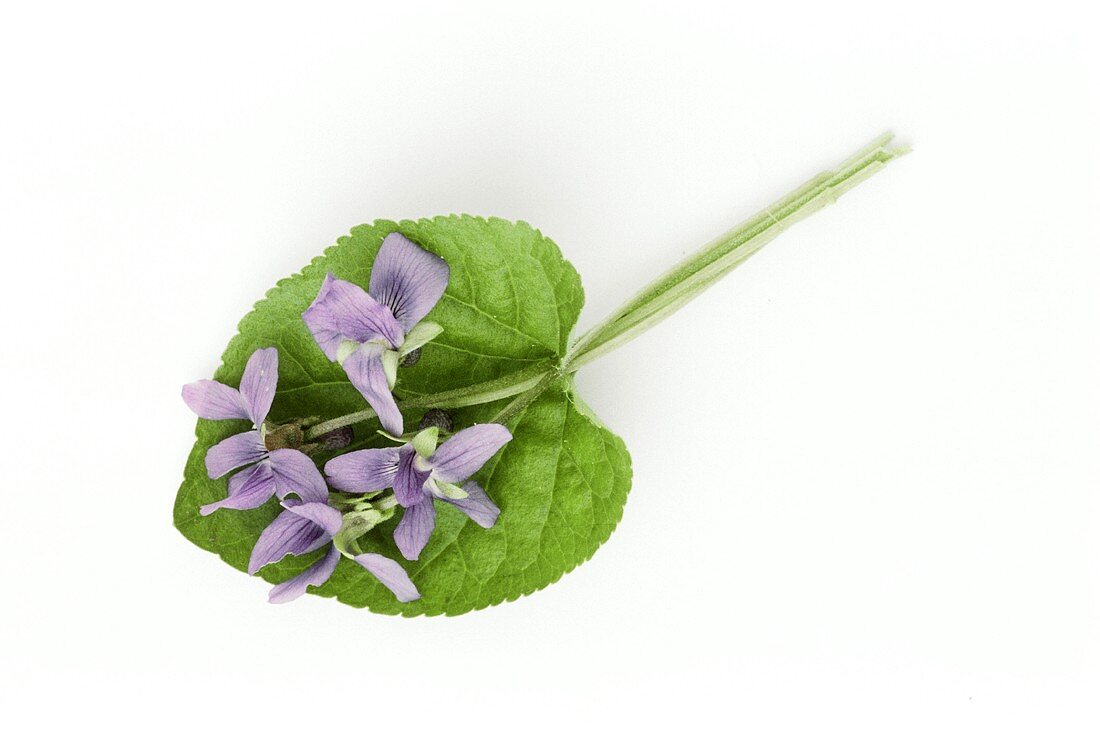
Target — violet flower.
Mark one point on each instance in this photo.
(368, 333)
(420, 474)
(275, 472)
(306, 526)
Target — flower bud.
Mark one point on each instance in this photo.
(285, 436)
(438, 418)
(336, 439)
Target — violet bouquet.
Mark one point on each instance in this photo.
(397, 425)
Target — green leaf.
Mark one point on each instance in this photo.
(507, 314)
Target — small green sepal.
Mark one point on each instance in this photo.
(426, 441)
(422, 332)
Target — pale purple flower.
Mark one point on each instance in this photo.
(420, 474)
(306, 526)
(367, 333)
(276, 472)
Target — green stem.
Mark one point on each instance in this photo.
(663, 296)
(482, 393)
(522, 401)
(688, 279)
(339, 422)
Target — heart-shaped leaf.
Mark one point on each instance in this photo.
(507, 315)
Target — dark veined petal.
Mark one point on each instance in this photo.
(415, 528)
(407, 279)
(213, 400)
(250, 488)
(240, 479)
(390, 573)
(288, 534)
(477, 505)
(463, 454)
(343, 311)
(233, 452)
(365, 470)
(315, 575)
(366, 373)
(408, 480)
(261, 376)
(296, 473)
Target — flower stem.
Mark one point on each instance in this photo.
(499, 388)
(661, 297)
(678, 286)
(522, 401)
(341, 421)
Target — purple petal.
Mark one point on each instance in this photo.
(390, 573)
(250, 488)
(463, 454)
(233, 452)
(415, 528)
(261, 375)
(213, 400)
(408, 481)
(296, 473)
(315, 575)
(241, 481)
(407, 279)
(288, 534)
(323, 516)
(365, 371)
(366, 470)
(477, 505)
(342, 311)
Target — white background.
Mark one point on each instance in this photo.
(865, 464)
